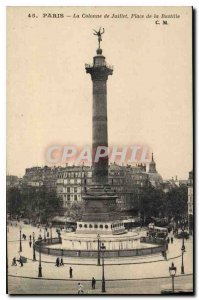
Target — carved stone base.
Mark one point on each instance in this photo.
(100, 215)
(100, 204)
(101, 228)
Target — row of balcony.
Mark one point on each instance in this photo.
(103, 64)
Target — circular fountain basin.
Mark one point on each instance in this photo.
(74, 241)
(89, 246)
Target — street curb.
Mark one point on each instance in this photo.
(122, 279)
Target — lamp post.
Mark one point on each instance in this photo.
(20, 244)
(153, 229)
(40, 268)
(172, 271)
(51, 234)
(34, 254)
(103, 248)
(183, 250)
(33, 237)
(44, 234)
(59, 236)
(98, 250)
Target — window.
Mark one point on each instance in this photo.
(68, 197)
(101, 226)
(80, 225)
(106, 226)
(85, 225)
(75, 197)
(90, 226)
(75, 189)
(95, 226)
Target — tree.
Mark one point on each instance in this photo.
(151, 203)
(176, 203)
(13, 201)
(50, 205)
(38, 204)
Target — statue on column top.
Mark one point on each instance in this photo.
(99, 34)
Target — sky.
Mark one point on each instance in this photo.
(49, 94)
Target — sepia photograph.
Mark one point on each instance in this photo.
(99, 154)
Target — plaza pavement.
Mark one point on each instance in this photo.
(21, 285)
(118, 269)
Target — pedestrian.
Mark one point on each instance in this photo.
(80, 288)
(61, 262)
(71, 272)
(57, 262)
(168, 240)
(14, 262)
(93, 283)
(30, 243)
(30, 237)
(171, 240)
(21, 261)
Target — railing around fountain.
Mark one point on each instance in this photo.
(152, 240)
(43, 247)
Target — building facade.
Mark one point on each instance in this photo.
(41, 176)
(126, 181)
(12, 181)
(72, 182)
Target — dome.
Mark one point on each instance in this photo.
(155, 178)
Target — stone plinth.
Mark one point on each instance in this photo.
(100, 215)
